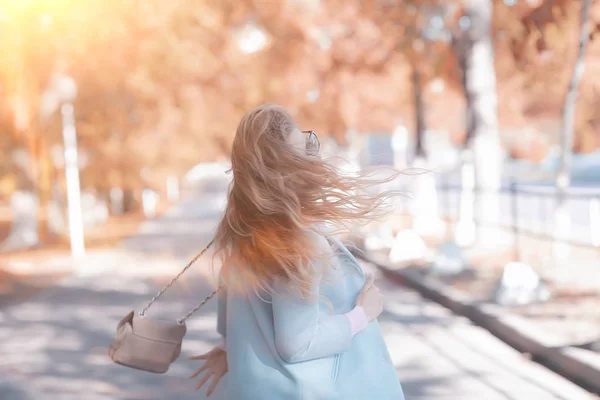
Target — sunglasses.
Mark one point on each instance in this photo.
(312, 143)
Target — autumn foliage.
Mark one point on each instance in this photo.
(162, 84)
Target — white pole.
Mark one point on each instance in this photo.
(173, 188)
(595, 221)
(73, 189)
(465, 227)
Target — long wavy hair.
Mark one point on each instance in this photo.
(278, 196)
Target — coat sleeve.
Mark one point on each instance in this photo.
(303, 331)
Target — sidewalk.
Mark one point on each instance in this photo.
(578, 365)
(24, 273)
(57, 344)
(53, 347)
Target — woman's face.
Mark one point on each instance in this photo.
(297, 139)
(304, 141)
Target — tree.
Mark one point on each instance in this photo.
(568, 120)
(178, 75)
(419, 114)
(563, 178)
(534, 39)
(475, 52)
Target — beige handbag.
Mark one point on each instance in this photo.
(148, 344)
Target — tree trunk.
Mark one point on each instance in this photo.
(563, 179)
(44, 187)
(426, 221)
(474, 49)
(419, 114)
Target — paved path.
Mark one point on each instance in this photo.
(54, 346)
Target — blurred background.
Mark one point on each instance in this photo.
(116, 114)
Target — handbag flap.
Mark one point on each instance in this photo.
(164, 331)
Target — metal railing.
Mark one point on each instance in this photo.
(530, 210)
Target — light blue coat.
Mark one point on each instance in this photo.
(285, 348)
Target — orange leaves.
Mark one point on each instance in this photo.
(536, 47)
(188, 69)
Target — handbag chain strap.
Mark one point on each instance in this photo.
(175, 278)
(193, 310)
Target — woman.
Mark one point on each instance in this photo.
(298, 317)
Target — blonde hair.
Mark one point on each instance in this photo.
(278, 196)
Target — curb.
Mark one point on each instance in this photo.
(579, 366)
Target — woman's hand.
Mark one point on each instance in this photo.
(215, 365)
(370, 299)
